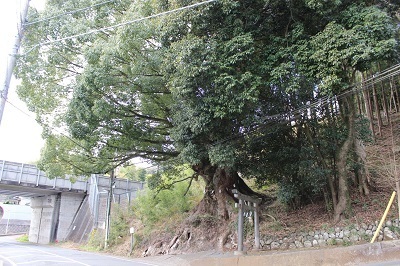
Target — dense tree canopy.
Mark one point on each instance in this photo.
(218, 86)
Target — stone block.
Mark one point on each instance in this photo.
(364, 226)
(275, 245)
(298, 244)
(308, 244)
(354, 238)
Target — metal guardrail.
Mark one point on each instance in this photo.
(96, 186)
(123, 192)
(27, 174)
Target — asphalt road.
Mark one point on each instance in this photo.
(13, 253)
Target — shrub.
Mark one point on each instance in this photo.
(153, 207)
(95, 241)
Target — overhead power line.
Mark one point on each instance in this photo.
(287, 117)
(67, 13)
(123, 24)
(53, 128)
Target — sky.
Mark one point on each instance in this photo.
(20, 135)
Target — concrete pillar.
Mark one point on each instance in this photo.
(70, 203)
(44, 223)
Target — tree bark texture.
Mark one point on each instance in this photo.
(367, 102)
(363, 173)
(377, 110)
(384, 100)
(343, 203)
(218, 191)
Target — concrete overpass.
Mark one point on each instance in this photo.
(63, 208)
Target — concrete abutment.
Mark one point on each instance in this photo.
(52, 216)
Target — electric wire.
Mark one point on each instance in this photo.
(285, 117)
(281, 117)
(288, 117)
(50, 127)
(67, 13)
(121, 24)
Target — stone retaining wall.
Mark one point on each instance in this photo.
(333, 236)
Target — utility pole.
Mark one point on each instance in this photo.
(11, 59)
(108, 214)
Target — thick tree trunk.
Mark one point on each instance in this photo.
(207, 204)
(343, 204)
(218, 190)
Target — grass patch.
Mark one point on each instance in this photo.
(23, 238)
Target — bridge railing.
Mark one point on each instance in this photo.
(124, 191)
(19, 173)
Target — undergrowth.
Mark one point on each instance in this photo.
(152, 212)
(166, 208)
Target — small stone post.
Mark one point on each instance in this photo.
(240, 226)
(256, 227)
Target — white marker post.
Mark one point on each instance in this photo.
(132, 231)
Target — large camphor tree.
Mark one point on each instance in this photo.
(216, 86)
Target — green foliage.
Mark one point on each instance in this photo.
(23, 238)
(362, 129)
(132, 172)
(95, 241)
(119, 226)
(331, 242)
(347, 243)
(214, 85)
(166, 177)
(166, 206)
